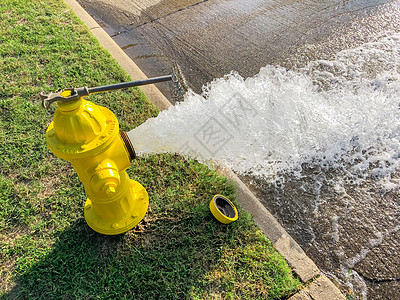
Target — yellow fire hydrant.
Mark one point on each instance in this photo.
(87, 135)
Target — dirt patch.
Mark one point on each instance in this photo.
(48, 186)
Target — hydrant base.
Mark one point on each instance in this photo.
(138, 204)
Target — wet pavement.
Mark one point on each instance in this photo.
(209, 38)
(352, 234)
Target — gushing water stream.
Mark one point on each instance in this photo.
(342, 114)
(328, 113)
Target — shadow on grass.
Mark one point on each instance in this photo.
(164, 258)
(178, 251)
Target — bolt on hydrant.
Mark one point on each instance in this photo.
(87, 135)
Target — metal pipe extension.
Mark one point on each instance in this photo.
(117, 86)
(72, 94)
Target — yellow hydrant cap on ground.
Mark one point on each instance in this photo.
(223, 209)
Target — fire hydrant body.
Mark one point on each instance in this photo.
(87, 135)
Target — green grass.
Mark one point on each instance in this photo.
(46, 249)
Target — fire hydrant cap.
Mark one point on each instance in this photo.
(223, 209)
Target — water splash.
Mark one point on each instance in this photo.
(333, 113)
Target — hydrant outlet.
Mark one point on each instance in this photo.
(128, 145)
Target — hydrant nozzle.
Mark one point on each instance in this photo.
(87, 135)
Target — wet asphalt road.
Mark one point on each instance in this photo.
(208, 39)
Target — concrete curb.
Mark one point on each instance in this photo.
(320, 289)
(301, 264)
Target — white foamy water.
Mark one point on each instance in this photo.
(342, 113)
